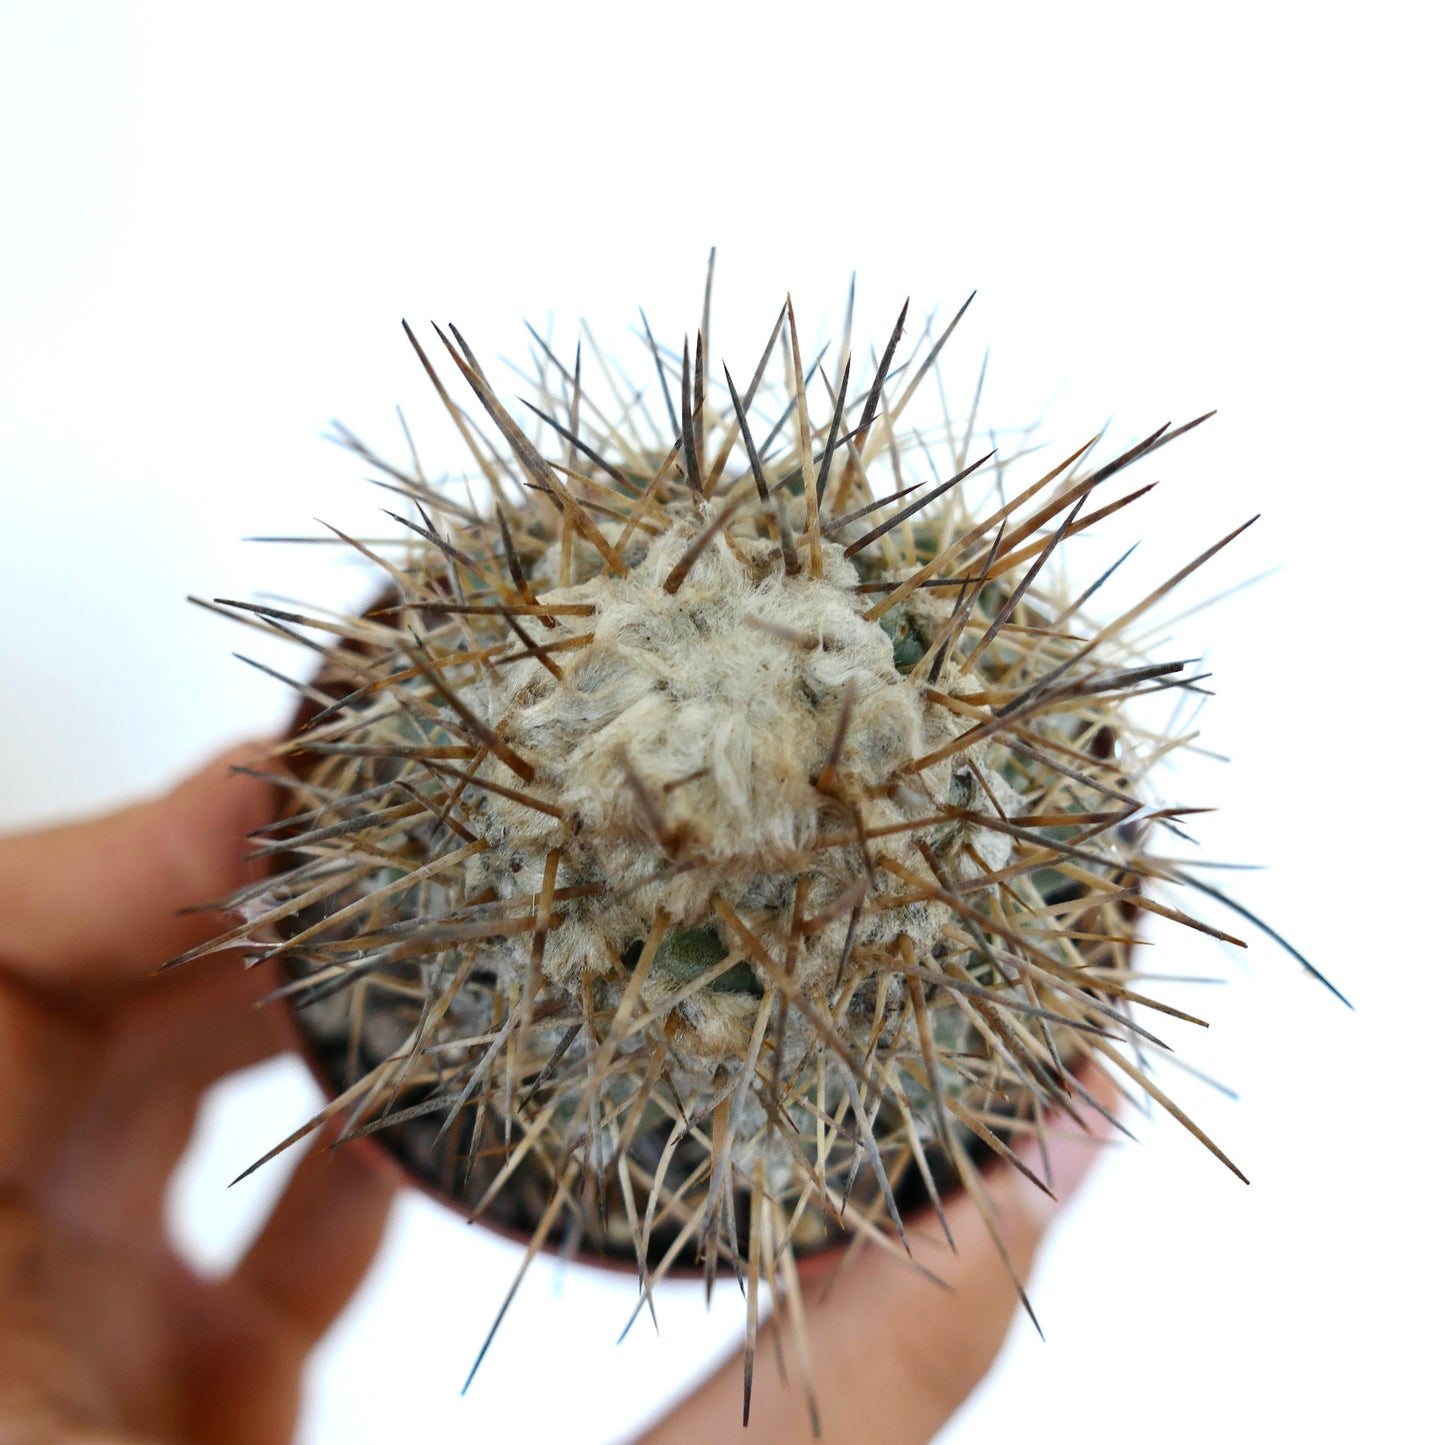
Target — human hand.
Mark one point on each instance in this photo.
(893, 1354)
(106, 1336)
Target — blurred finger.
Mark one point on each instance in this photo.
(46, 1064)
(319, 1242)
(105, 1173)
(252, 1331)
(94, 904)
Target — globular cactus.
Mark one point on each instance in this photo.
(726, 832)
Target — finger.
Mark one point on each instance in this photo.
(94, 904)
(251, 1332)
(100, 1105)
(105, 1172)
(319, 1242)
(893, 1354)
(47, 1062)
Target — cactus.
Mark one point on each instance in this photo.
(729, 833)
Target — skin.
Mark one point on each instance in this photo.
(107, 1336)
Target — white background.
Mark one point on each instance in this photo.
(214, 217)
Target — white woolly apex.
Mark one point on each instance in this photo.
(695, 724)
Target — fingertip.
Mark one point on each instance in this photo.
(97, 902)
(319, 1243)
(193, 844)
(230, 791)
(1064, 1154)
(1071, 1158)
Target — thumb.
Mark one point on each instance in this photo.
(96, 902)
(893, 1354)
